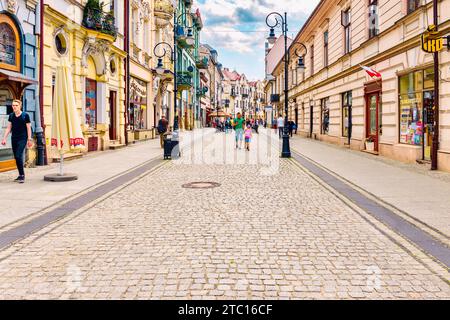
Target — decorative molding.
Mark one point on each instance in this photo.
(11, 6)
(96, 48)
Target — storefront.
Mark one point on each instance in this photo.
(13, 83)
(138, 105)
(416, 100)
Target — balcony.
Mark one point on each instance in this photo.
(202, 62)
(164, 11)
(184, 81)
(181, 37)
(96, 19)
(188, 3)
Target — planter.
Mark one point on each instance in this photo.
(370, 146)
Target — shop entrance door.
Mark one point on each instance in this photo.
(7, 161)
(311, 118)
(428, 120)
(112, 115)
(372, 118)
(296, 117)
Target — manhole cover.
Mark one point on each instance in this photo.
(201, 185)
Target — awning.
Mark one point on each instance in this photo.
(16, 76)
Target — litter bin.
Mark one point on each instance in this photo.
(171, 147)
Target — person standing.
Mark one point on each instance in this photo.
(291, 127)
(280, 125)
(20, 128)
(239, 123)
(162, 129)
(248, 137)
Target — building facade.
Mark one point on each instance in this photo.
(18, 70)
(91, 39)
(336, 101)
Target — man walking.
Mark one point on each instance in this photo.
(20, 127)
(280, 125)
(238, 124)
(162, 129)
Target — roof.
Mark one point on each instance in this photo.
(233, 76)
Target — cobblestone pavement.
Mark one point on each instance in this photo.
(258, 235)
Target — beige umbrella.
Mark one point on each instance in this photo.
(66, 128)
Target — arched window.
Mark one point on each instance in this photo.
(9, 44)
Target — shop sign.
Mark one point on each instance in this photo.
(138, 91)
(431, 41)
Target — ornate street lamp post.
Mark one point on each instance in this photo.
(282, 21)
(173, 58)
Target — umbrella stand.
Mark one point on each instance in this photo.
(61, 176)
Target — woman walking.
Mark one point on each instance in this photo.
(20, 128)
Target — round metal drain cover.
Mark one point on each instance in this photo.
(201, 185)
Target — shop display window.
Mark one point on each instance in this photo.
(91, 103)
(325, 106)
(411, 103)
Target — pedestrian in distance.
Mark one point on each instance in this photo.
(162, 129)
(20, 128)
(291, 127)
(248, 137)
(238, 124)
(280, 125)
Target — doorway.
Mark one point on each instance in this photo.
(112, 115)
(428, 121)
(296, 117)
(372, 118)
(311, 118)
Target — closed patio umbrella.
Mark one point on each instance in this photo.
(66, 128)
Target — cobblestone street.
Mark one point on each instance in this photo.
(276, 235)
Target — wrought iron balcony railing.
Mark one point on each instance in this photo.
(201, 62)
(184, 81)
(96, 19)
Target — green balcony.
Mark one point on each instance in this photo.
(184, 81)
(202, 62)
(96, 19)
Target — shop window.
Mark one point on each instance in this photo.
(325, 115)
(415, 88)
(373, 18)
(9, 44)
(91, 103)
(412, 5)
(346, 113)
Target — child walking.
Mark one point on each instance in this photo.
(248, 137)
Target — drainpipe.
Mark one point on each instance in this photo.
(434, 162)
(127, 66)
(40, 136)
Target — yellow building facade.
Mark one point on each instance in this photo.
(98, 72)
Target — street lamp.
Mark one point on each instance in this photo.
(282, 21)
(161, 70)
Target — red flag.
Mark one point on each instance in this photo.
(372, 73)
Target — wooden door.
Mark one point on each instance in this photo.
(372, 118)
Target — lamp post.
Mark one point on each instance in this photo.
(280, 20)
(173, 58)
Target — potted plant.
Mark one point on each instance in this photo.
(370, 144)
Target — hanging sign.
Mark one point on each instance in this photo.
(431, 41)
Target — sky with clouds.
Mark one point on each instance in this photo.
(237, 29)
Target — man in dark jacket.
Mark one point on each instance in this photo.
(162, 129)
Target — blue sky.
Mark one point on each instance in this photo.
(237, 29)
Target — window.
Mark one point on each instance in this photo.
(91, 103)
(61, 44)
(346, 23)
(373, 18)
(346, 113)
(325, 49)
(325, 115)
(413, 5)
(9, 44)
(312, 60)
(415, 118)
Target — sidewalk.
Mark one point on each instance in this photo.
(418, 192)
(21, 200)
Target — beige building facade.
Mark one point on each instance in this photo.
(336, 101)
